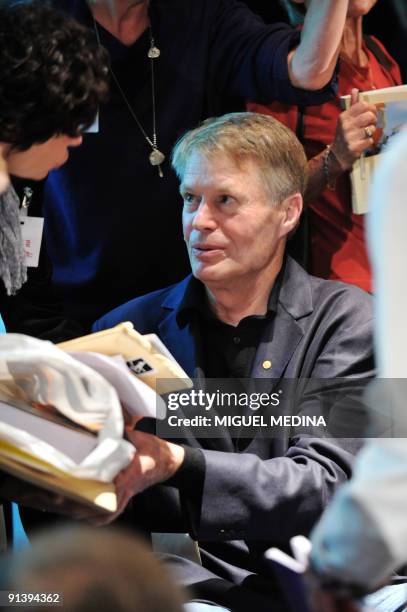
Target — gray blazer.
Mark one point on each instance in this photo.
(260, 491)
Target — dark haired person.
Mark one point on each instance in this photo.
(172, 64)
(53, 78)
(333, 140)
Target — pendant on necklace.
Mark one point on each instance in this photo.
(156, 157)
(154, 52)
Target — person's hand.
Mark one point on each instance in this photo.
(354, 131)
(130, 420)
(155, 461)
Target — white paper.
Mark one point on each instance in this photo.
(47, 375)
(138, 398)
(74, 444)
(301, 547)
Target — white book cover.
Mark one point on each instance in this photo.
(391, 103)
(136, 396)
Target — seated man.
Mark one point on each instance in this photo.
(247, 311)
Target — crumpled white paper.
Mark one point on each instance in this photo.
(135, 395)
(48, 375)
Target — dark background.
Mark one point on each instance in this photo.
(382, 21)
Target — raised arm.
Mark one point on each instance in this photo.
(312, 63)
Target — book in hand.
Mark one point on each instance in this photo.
(54, 435)
(145, 355)
(391, 103)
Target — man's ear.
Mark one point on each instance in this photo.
(291, 208)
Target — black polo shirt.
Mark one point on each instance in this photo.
(228, 351)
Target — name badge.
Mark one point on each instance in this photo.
(31, 229)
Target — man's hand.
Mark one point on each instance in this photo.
(352, 132)
(155, 461)
(130, 420)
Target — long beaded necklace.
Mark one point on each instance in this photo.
(156, 157)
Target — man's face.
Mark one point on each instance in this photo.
(230, 226)
(37, 161)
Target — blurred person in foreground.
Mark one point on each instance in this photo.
(362, 538)
(333, 139)
(94, 571)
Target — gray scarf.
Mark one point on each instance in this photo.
(13, 271)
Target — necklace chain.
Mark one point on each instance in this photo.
(156, 156)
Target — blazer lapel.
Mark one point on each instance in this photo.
(282, 336)
(182, 340)
(277, 345)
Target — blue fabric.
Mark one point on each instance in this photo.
(121, 221)
(20, 539)
(2, 328)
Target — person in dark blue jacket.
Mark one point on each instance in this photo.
(52, 79)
